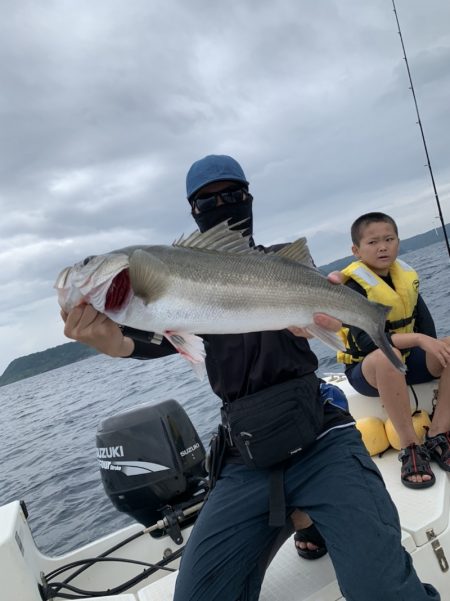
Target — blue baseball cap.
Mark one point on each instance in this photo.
(213, 168)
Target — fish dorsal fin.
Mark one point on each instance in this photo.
(298, 251)
(220, 238)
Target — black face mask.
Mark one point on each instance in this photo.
(232, 212)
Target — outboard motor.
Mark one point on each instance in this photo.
(150, 456)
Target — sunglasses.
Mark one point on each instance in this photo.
(208, 201)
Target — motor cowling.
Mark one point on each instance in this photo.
(149, 457)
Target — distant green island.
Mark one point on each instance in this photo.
(64, 354)
(37, 363)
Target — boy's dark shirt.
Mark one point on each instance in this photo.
(424, 323)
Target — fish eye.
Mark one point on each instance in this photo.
(87, 259)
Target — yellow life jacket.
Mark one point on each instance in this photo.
(403, 301)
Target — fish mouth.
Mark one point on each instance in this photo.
(61, 280)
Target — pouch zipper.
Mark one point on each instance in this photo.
(244, 436)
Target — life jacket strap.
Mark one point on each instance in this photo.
(400, 323)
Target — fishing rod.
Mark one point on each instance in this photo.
(419, 123)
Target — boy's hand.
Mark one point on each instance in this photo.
(85, 324)
(322, 319)
(335, 277)
(440, 349)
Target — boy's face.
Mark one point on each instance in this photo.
(378, 247)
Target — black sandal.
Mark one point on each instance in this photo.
(439, 448)
(416, 462)
(310, 535)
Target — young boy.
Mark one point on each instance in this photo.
(385, 279)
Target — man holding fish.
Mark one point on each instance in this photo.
(281, 447)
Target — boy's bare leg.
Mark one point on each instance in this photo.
(391, 385)
(441, 418)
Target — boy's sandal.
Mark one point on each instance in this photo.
(310, 535)
(439, 448)
(416, 462)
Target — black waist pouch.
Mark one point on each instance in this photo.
(270, 426)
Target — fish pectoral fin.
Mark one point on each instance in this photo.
(190, 347)
(331, 339)
(148, 275)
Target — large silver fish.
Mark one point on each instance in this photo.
(215, 283)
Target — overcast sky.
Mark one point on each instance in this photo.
(104, 104)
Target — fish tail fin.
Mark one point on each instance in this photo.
(380, 339)
(190, 347)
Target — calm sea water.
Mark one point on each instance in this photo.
(49, 423)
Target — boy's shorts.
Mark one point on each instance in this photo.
(416, 373)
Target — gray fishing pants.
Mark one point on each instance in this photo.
(338, 485)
